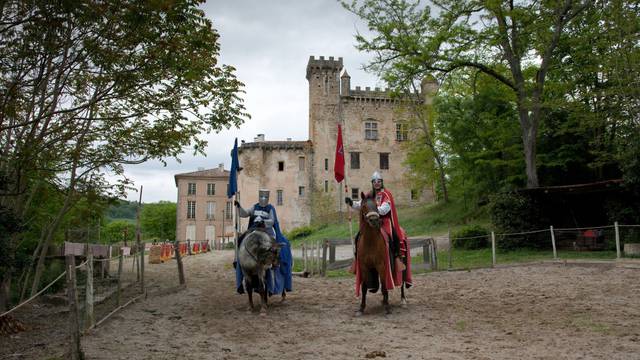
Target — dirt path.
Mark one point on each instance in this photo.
(536, 312)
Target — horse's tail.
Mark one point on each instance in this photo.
(373, 281)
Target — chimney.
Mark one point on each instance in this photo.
(221, 166)
(288, 139)
(200, 169)
(259, 138)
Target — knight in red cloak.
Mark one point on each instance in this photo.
(397, 241)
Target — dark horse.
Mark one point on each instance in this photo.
(373, 255)
(257, 253)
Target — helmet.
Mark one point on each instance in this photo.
(263, 197)
(376, 176)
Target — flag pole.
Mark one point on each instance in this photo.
(349, 209)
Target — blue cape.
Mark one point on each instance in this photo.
(279, 278)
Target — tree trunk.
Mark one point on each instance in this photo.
(443, 179)
(47, 242)
(529, 140)
(5, 290)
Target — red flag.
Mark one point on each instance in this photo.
(338, 166)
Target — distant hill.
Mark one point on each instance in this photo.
(122, 209)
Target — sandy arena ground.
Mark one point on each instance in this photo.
(532, 312)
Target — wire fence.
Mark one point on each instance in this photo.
(95, 282)
(597, 243)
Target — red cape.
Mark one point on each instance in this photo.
(392, 280)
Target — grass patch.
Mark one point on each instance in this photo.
(461, 325)
(588, 324)
(425, 220)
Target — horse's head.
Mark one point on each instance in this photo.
(369, 210)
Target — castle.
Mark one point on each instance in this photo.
(373, 131)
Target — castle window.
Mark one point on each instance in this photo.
(301, 163)
(280, 165)
(279, 200)
(355, 193)
(228, 214)
(301, 191)
(326, 186)
(401, 132)
(326, 164)
(384, 161)
(191, 209)
(191, 189)
(355, 160)
(371, 130)
(211, 210)
(211, 189)
(414, 194)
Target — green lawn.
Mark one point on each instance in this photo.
(425, 220)
(434, 220)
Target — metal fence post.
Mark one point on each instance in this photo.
(553, 243)
(618, 255)
(450, 248)
(493, 249)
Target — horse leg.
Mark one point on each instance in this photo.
(263, 296)
(403, 299)
(363, 302)
(385, 297)
(249, 287)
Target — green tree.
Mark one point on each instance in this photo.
(478, 130)
(514, 42)
(158, 220)
(119, 231)
(89, 87)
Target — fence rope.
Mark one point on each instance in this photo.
(525, 232)
(34, 296)
(588, 228)
(109, 259)
(470, 237)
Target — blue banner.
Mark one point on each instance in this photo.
(233, 176)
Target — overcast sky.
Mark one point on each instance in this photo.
(269, 43)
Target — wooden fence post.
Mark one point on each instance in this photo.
(434, 253)
(304, 258)
(176, 246)
(120, 263)
(426, 254)
(618, 255)
(450, 248)
(553, 243)
(493, 249)
(332, 253)
(74, 321)
(88, 306)
(324, 257)
(318, 257)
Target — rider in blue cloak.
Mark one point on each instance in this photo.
(264, 214)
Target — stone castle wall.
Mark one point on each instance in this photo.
(331, 101)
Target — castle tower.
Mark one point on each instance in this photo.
(323, 76)
(324, 95)
(345, 83)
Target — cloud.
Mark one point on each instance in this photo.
(269, 43)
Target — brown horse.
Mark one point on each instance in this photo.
(372, 255)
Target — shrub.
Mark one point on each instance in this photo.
(514, 213)
(300, 232)
(479, 235)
